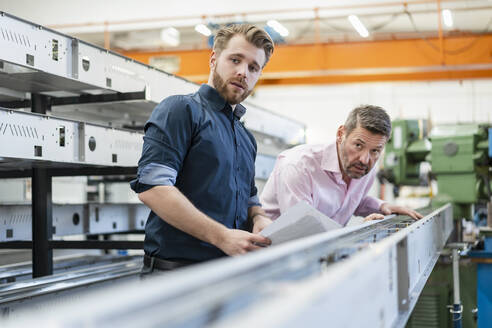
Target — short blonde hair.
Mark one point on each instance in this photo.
(253, 34)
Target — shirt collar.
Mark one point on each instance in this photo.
(330, 159)
(217, 102)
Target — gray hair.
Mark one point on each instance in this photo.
(369, 117)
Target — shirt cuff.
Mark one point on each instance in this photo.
(254, 201)
(368, 206)
(373, 203)
(157, 175)
(152, 175)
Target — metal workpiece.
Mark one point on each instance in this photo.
(22, 271)
(74, 219)
(361, 276)
(376, 287)
(32, 139)
(38, 60)
(20, 296)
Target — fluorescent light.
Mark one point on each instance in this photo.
(447, 17)
(282, 30)
(359, 27)
(203, 29)
(170, 36)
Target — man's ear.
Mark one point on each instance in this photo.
(340, 133)
(213, 60)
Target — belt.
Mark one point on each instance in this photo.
(152, 262)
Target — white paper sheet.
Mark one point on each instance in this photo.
(301, 220)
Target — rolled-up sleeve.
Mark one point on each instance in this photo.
(168, 135)
(254, 201)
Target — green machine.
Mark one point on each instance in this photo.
(460, 157)
(460, 163)
(406, 149)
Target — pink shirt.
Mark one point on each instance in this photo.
(312, 173)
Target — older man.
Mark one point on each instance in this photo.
(197, 168)
(335, 178)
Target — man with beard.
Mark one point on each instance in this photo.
(335, 178)
(197, 168)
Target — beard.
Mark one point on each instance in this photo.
(348, 167)
(231, 97)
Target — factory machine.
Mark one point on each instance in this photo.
(460, 158)
(71, 127)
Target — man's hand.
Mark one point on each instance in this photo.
(260, 222)
(236, 242)
(374, 216)
(388, 209)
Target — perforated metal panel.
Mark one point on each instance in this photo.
(16, 220)
(32, 137)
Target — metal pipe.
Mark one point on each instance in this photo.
(317, 34)
(107, 36)
(441, 38)
(457, 309)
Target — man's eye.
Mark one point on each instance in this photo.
(358, 145)
(376, 151)
(253, 69)
(235, 60)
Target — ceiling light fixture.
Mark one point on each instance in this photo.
(282, 30)
(203, 29)
(170, 36)
(447, 17)
(359, 27)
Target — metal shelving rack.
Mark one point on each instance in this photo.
(65, 82)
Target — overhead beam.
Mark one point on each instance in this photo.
(466, 57)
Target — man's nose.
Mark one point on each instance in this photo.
(242, 70)
(365, 157)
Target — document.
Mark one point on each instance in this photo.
(301, 220)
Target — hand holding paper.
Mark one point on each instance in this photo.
(301, 220)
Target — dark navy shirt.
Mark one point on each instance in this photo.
(196, 143)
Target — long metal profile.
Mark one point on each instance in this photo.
(22, 271)
(40, 138)
(349, 277)
(39, 60)
(74, 219)
(375, 288)
(19, 296)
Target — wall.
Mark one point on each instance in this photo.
(324, 107)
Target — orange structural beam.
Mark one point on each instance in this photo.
(399, 60)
